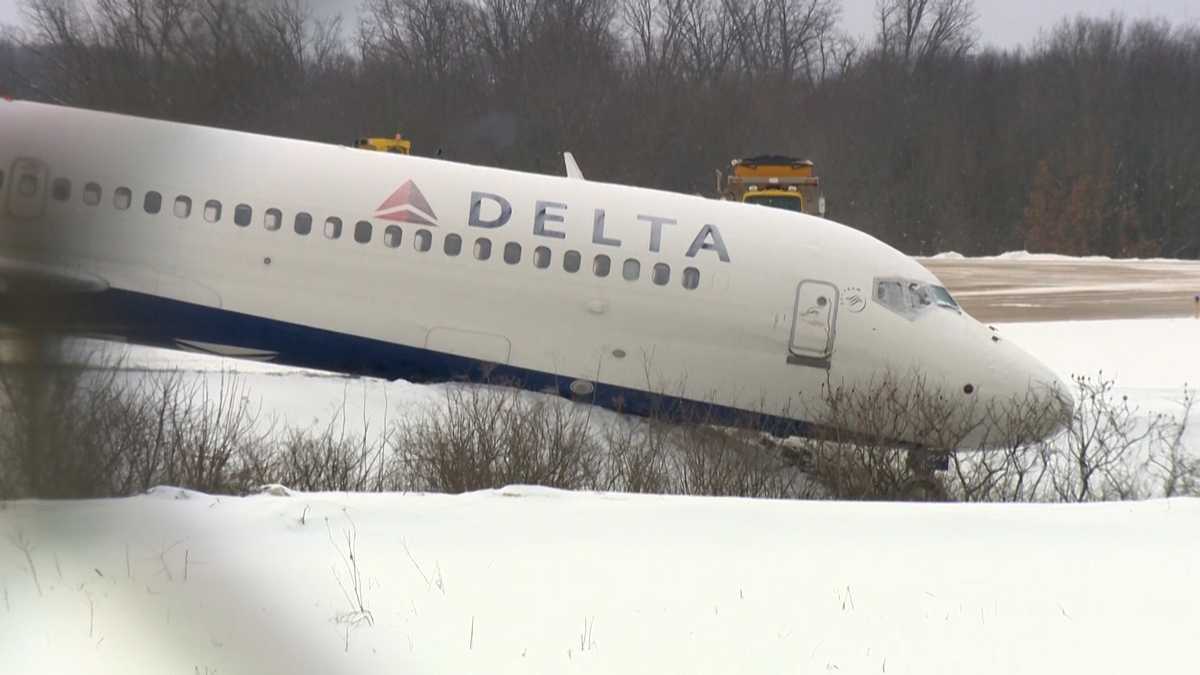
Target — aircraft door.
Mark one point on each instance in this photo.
(27, 188)
(814, 324)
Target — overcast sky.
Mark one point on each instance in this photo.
(1001, 22)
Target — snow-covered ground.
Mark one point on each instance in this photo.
(529, 580)
(1151, 361)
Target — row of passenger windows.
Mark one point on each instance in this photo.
(572, 261)
(302, 223)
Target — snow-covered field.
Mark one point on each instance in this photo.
(529, 580)
(1152, 361)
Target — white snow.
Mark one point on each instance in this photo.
(1144, 353)
(530, 580)
(1046, 257)
(1151, 361)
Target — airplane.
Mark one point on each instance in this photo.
(403, 267)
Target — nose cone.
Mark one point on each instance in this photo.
(1066, 407)
(1053, 397)
(1035, 401)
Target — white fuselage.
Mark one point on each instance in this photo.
(782, 303)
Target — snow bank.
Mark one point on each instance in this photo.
(527, 580)
(1047, 257)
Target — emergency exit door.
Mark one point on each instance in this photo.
(26, 188)
(814, 324)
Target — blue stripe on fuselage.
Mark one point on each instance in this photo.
(161, 322)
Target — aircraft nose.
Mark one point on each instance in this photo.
(1055, 394)
(1066, 404)
(1048, 395)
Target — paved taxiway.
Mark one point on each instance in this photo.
(1039, 289)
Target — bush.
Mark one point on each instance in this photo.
(80, 425)
(483, 437)
(1109, 450)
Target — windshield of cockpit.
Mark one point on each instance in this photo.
(910, 298)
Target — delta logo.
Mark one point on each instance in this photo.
(407, 205)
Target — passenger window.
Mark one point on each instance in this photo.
(242, 215)
(333, 227)
(391, 236)
(61, 190)
(153, 202)
(691, 278)
(362, 232)
(512, 253)
(91, 194)
(662, 274)
(601, 265)
(453, 244)
(303, 225)
(212, 210)
(122, 198)
(483, 248)
(571, 261)
(183, 206)
(272, 219)
(423, 240)
(541, 257)
(632, 269)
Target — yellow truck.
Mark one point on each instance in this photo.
(398, 145)
(776, 181)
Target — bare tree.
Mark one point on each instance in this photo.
(789, 39)
(917, 32)
(1082, 141)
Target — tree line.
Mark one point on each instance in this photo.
(1085, 142)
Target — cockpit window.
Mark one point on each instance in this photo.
(910, 298)
(943, 298)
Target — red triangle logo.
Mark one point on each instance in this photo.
(407, 205)
(406, 215)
